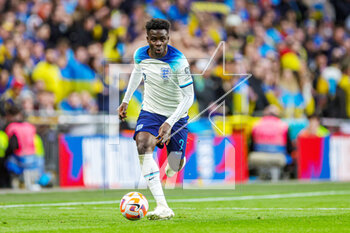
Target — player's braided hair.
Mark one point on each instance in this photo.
(156, 24)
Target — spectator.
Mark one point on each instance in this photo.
(72, 104)
(344, 84)
(24, 61)
(81, 69)
(291, 96)
(88, 103)
(64, 69)
(332, 96)
(5, 81)
(179, 12)
(12, 95)
(256, 83)
(159, 9)
(38, 53)
(342, 9)
(45, 103)
(27, 102)
(270, 86)
(314, 128)
(60, 25)
(82, 34)
(203, 85)
(7, 52)
(49, 45)
(49, 73)
(22, 160)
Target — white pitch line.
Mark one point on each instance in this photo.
(222, 208)
(270, 208)
(60, 204)
(208, 199)
(257, 197)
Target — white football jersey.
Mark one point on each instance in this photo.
(163, 79)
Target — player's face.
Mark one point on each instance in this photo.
(158, 41)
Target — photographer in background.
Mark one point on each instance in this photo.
(21, 162)
(271, 146)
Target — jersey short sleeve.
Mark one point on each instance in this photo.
(184, 74)
(137, 60)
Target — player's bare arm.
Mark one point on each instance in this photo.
(134, 82)
(122, 111)
(164, 134)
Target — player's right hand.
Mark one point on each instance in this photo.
(122, 111)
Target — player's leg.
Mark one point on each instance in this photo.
(146, 143)
(176, 149)
(175, 164)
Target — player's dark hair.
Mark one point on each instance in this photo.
(156, 24)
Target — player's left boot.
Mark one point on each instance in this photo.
(170, 172)
(160, 213)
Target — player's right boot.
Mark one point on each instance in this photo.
(160, 213)
(170, 172)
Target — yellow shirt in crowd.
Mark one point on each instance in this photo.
(51, 76)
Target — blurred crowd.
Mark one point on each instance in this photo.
(54, 54)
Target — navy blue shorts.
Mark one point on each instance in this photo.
(151, 122)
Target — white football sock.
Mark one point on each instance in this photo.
(150, 171)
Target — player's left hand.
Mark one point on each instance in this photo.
(164, 134)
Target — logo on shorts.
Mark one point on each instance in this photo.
(165, 73)
(139, 127)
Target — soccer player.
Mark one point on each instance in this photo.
(168, 94)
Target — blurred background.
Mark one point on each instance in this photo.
(290, 120)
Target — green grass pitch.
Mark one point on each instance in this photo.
(283, 207)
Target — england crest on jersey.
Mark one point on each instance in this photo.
(165, 73)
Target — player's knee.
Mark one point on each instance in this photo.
(144, 143)
(175, 160)
(142, 147)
